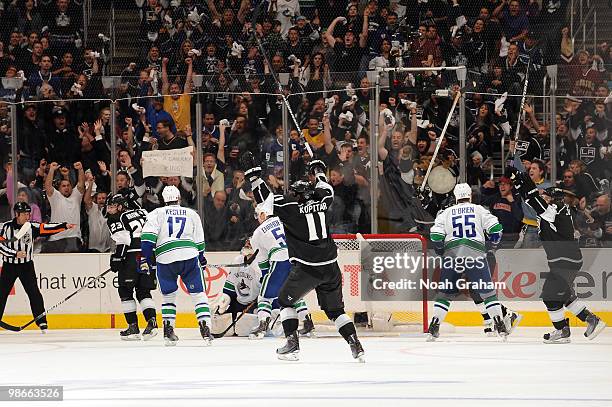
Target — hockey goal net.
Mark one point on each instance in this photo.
(381, 315)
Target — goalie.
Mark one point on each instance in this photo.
(240, 290)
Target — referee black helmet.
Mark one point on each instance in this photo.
(21, 207)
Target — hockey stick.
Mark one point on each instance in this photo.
(278, 84)
(520, 114)
(435, 154)
(13, 328)
(233, 324)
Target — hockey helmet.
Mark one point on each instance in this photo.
(462, 191)
(302, 190)
(21, 207)
(558, 195)
(171, 194)
(266, 207)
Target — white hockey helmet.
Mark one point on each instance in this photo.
(171, 194)
(266, 207)
(462, 191)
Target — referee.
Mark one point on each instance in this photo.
(17, 258)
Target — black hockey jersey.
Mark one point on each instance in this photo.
(306, 224)
(126, 228)
(556, 231)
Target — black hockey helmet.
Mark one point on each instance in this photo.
(558, 195)
(21, 207)
(114, 199)
(302, 190)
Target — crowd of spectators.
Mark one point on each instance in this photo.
(317, 55)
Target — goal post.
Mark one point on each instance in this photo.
(387, 309)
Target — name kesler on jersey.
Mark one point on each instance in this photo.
(176, 232)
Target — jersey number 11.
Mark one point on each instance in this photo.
(312, 227)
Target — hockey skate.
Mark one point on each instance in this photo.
(512, 320)
(132, 333)
(356, 348)
(559, 335)
(205, 332)
(291, 350)
(433, 332)
(308, 327)
(489, 329)
(151, 330)
(43, 327)
(260, 330)
(500, 327)
(169, 336)
(594, 326)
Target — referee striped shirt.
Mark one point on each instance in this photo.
(9, 247)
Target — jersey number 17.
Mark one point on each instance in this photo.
(179, 220)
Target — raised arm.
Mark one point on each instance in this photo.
(189, 79)
(499, 9)
(81, 177)
(327, 136)
(165, 82)
(382, 137)
(221, 148)
(87, 198)
(363, 37)
(329, 34)
(49, 189)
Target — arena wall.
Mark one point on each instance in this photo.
(98, 306)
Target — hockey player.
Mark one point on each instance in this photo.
(17, 260)
(173, 241)
(272, 258)
(459, 232)
(312, 251)
(125, 226)
(240, 290)
(556, 230)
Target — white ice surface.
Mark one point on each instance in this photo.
(461, 369)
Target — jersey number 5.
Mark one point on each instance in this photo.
(171, 221)
(464, 226)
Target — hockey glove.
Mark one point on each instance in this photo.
(115, 263)
(317, 167)
(249, 259)
(253, 174)
(202, 260)
(224, 303)
(143, 266)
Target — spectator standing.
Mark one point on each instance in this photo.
(99, 240)
(176, 103)
(65, 204)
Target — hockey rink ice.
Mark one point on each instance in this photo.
(463, 368)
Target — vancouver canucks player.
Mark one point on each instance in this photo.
(272, 258)
(173, 241)
(459, 233)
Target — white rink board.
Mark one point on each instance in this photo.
(61, 274)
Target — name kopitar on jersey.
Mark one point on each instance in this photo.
(313, 207)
